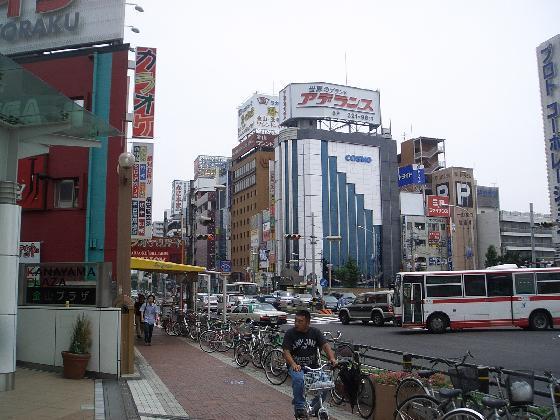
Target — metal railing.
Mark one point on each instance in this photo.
(388, 359)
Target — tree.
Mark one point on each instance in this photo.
(512, 257)
(492, 258)
(349, 273)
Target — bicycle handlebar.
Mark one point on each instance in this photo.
(309, 369)
(332, 336)
(454, 362)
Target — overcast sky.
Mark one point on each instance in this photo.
(465, 71)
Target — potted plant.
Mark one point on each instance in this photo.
(75, 360)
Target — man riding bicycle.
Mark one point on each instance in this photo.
(300, 346)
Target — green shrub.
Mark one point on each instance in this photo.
(81, 335)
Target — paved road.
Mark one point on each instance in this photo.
(512, 348)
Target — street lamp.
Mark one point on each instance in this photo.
(137, 7)
(374, 254)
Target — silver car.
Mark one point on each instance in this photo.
(302, 300)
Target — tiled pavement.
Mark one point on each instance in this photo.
(211, 386)
(41, 395)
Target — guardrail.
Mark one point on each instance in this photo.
(409, 361)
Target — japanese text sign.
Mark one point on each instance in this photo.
(30, 252)
(411, 174)
(438, 206)
(329, 101)
(179, 196)
(142, 176)
(258, 115)
(144, 93)
(548, 56)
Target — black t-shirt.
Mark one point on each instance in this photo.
(303, 346)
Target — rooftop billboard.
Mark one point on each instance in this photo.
(259, 114)
(329, 101)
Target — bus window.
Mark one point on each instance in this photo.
(499, 284)
(475, 284)
(524, 284)
(548, 283)
(444, 286)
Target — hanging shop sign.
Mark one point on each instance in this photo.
(144, 93)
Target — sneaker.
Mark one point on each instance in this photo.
(301, 413)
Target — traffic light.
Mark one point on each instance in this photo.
(205, 220)
(293, 236)
(207, 237)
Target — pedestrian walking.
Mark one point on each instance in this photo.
(137, 317)
(149, 312)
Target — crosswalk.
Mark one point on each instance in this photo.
(318, 320)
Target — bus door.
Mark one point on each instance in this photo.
(500, 290)
(412, 299)
(521, 303)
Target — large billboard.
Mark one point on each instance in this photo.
(142, 181)
(159, 249)
(548, 56)
(43, 25)
(329, 101)
(144, 93)
(488, 197)
(259, 114)
(253, 141)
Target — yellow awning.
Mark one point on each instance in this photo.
(163, 266)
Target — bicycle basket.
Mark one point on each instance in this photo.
(520, 387)
(318, 380)
(464, 378)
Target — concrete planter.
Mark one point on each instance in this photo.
(385, 404)
(74, 364)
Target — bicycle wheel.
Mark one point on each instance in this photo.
(256, 357)
(463, 414)
(193, 332)
(242, 355)
(366, 397)
(275, 367)
(176, 328)
(419, 407)
(264, 352)
(407, 388)
(338, 392)
(207, 341)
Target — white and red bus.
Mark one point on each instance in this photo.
(438, 300)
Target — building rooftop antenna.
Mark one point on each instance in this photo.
(345, 69)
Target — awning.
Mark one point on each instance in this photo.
(163, 266)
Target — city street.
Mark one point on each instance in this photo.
(511, 348)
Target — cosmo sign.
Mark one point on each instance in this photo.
(331, 102)
(38, 25)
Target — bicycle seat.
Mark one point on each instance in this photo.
(426, 373)
(449, 394)
(493, 402)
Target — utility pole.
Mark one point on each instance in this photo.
(313, 242)
(532, 226)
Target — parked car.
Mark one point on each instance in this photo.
(303, 299)
(202, 302)
(372, 306)
(330, 302)
(261, 313)
(283, 298)
(232, 302)
(267, 299)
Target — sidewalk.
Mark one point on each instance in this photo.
(47, 395)
(181, 381)
(173, 379)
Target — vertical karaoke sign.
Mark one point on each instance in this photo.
(142, 180)
(144, 93)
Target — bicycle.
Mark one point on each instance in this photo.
(365, 398)
(316, 382)
(411, 385)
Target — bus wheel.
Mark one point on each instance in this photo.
(437, 324)
(538, 321)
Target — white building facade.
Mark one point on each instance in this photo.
(337, 184)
